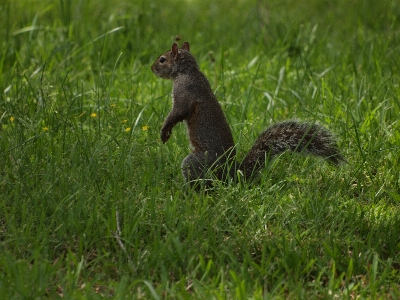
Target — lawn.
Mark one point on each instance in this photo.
(93, 205)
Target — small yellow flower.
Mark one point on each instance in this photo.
(145, 128)
(112, 105)
(12, 119)
(45, 128)
(93, 115)
(124, 121)
(127, 129)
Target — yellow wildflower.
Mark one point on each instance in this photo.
(93, 115)
(145, 128)
(45, 128)
(127, 129)
(113, 105)
(124, 121)
(12, 119)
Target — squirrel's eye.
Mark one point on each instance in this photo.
(162, 59)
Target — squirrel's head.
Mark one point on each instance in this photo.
(174, 62)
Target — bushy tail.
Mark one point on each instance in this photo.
(294, 136)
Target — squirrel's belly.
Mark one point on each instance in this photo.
(191, 146)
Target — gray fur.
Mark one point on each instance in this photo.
(208, 130)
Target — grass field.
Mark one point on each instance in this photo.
(92, 203)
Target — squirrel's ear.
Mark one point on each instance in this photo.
(174, 50)
(185, 46)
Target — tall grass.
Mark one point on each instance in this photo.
(93, 205)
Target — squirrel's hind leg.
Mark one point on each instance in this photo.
(195, 166)
(200, 168)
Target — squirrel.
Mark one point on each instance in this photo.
(209, 133)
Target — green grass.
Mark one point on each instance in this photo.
(92, 203)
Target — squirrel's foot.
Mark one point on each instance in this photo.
(165, 135)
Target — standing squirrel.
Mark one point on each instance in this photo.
(210, 137)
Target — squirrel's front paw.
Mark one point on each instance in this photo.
(165, 134)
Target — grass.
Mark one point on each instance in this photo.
(91, 202)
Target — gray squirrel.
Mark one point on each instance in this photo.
(209, 134)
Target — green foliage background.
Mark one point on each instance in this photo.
(92, 204)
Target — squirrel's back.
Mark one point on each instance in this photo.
(207, 127)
